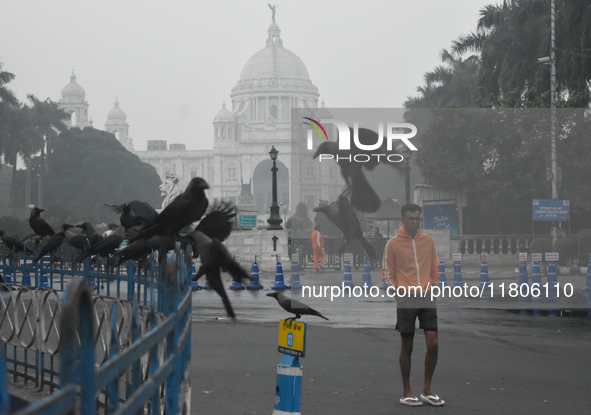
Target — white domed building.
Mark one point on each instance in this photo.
(73, 101)
(273, 82)
(117, 125)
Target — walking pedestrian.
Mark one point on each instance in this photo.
(318, 248)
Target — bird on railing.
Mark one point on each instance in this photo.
(106, 246)
(341, 213)
(134, 213)
(93, 236)
(14, 244)
(188, 207)
(55, 241)
(294, 306)
(39, 225)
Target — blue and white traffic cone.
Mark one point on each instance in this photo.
(295, 273)
(587, 286)
(194, 284)
(523, 281)
(458, 282)
(552, 280)
(552, 286)
(288, 392)
(366, 277)
(347, 276)
(484, 281)
(254, 276)
(236, 286)
(442, 277)
(279, 281)
(536, 282)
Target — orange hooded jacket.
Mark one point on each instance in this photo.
(409, 262)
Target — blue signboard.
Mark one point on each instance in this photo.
(440, 214)
(550, 209)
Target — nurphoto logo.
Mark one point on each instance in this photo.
(402, 132)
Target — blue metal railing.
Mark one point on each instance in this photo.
(122, 354)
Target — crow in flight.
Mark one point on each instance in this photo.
(294, 306)
(363, 196)
(215, 257)
(342, 215)
(188, 207)
(38, 224)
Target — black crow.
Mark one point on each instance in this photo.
(141, 248)
(106, 246)
(56, 240)
(38, 224)
(77, 240)
(214, 256)
(14, 244)
(188, 207)
(134, 213)
(93, 236)
(294, 306)
(363, 196)
(342, 215)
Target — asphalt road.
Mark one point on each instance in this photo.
(493, 358)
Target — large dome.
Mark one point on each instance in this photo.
(116, 114)
(274, 62)
(73, 91)
(274, 68)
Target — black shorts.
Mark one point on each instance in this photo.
(409, 309)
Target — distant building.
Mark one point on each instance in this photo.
(272, 83)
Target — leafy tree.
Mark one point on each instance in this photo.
(300, 223)
(87, 168)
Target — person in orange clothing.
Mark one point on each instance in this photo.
(410, 269)
(318, 248)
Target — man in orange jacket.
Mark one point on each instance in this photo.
(318, 248)
(410, 269)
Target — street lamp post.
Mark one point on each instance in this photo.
(274, 220)
(553, 161)
(407, 154)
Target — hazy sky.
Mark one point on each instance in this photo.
(172, 63)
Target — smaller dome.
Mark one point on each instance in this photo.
(73, 91)
(223, 114)
(116, 114)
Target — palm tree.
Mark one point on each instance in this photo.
(46, 121)
(7, 102)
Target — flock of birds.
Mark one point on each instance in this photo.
(147, 231)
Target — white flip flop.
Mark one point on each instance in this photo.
(410, 401)
(432, 400)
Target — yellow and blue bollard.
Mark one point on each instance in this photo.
(484, 281)
(458, 282)
(288, 391)
(442, 277)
